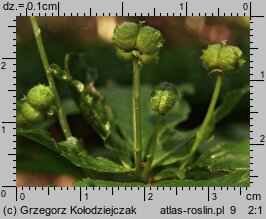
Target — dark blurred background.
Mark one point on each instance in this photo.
(185, 37)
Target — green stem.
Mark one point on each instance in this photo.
(201, 133)
(137, 116)
(151, 149)
(46, 66)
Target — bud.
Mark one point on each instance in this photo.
(40, 97)
(78, 85)
(30, 114)
(125, 36)
(222, 58)
(58, 72)
(149, 40)
(163, 97)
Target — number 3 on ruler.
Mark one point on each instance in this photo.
(214, 196)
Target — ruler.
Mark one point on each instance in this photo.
(101, 202)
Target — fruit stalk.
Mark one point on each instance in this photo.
(137, 115)
(61, 114)
(201, 133)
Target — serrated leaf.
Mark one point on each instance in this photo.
(73, 149)
(226, 157)
(93, 109)
(234, 179)
(38, 135)
(87, 182)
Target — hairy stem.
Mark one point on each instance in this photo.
(137, 116)
(201, 133)
(46, 66)
(151, 149)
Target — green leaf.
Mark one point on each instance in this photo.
(94, 109)
(70, 107)
(120, 100)
(120, 147)
(92, 106)
(233, 179)
(87, 182)
(47, 164)
(230, 101)
(73, 149)
(226, 157)
(169, 173)
(38, 135)
(77, 64)
(172, 146)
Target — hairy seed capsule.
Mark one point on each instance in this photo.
(125, 56)
(40, 97)
(20, 120)
(125, 36)
(222, 58)
(231, 58)
(30, 114)
(163, 97)
(146, 59)
(149, 40)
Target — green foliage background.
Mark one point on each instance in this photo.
(179, 63)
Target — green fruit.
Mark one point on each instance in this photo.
(163, 97)
(210, 56)
(30, 114)
(125, 36)
(146, 59)
(222, 58)
(40, 97)
(126, 56)
(20, 120)
(149, 40)
(230, 58)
